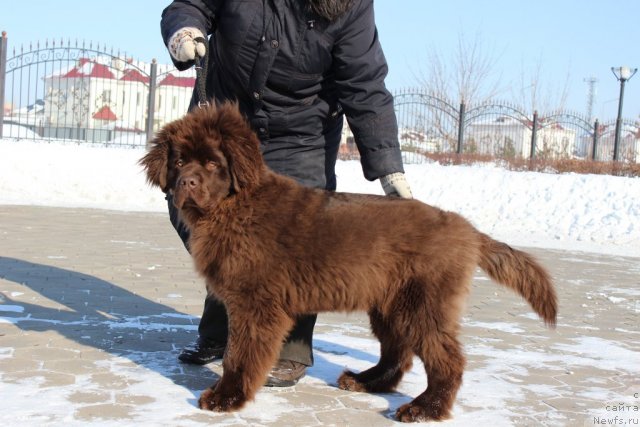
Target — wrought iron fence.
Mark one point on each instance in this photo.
(433, 124)
(88, 93)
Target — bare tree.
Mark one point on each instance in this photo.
(537, 94)
(471, 74)
(467, 75)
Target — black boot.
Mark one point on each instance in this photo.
(203, 351)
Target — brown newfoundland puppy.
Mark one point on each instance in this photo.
(271, 249)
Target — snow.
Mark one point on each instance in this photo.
(590, 213)
(17, 131)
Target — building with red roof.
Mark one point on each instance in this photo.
(105, 114)
(99, 92)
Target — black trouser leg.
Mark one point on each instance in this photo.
(214, 323)
(299, 344)
(297, 347)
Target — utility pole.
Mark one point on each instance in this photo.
(591, 96)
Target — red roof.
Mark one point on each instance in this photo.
(105, 113)
(134, 76)
(172, 80)
(96, 70)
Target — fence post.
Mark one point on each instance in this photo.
(596, 128)
(534, 135)
(461, 119)
(151, 107)
(3, 75)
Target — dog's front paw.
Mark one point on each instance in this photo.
(414, 413)
(348, 381)
(212, 400)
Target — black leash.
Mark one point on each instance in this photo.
(202, 65)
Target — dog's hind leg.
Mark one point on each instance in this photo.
(395, 360)
(444, 362)
(436, 326)
(255, 340)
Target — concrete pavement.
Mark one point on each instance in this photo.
(95, 306)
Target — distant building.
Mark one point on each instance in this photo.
(348, 148)
(508, 137)
(32, 115)
(111, 94)
(629, 144)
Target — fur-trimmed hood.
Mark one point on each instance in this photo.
(330, 9)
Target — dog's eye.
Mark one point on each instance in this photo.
(211, 165)
(179, 163)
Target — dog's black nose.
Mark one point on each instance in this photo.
(188, 181)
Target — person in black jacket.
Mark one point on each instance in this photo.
(295, 67)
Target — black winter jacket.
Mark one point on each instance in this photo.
(294, 74)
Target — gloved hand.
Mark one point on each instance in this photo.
(183, 46)
(395, 184)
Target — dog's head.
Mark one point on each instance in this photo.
(206, 156)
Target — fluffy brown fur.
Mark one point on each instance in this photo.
(271, 249)
(330, 9)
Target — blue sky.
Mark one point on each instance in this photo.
(567, 40)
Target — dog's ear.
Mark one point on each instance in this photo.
(155, 162)
(240, 146)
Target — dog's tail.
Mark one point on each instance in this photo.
(522, 273)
